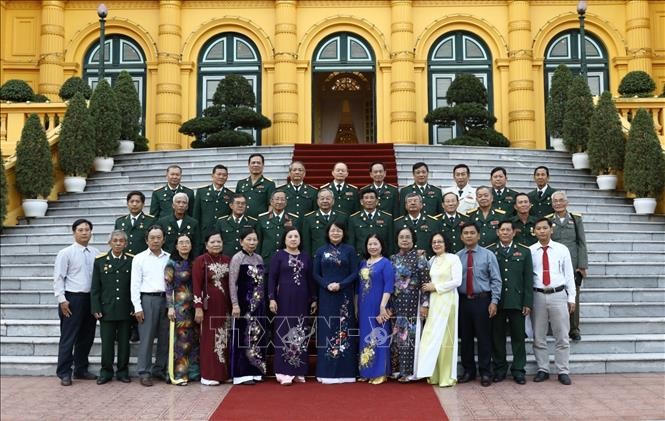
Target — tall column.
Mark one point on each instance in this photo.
(521, 115)
(51, 71)
(169, 89)
(638, 35)
(285, 87)
(403, 85)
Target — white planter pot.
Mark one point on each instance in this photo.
(34, 207)
(126, 146)
(74, 184)
(581, 161)
(557, 144)
(103, 164)
(644, 205)
(607, 182)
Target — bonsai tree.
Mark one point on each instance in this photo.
(34, 168)
(556, 101)
(644, 173)
(76, 149)
(3, 192)
(73, 85)
(141, 144)
(579, 108)
(637, 83)
(606, 140)
(230, 112)
(16, 90)
(466, 110)
(105, 120)
(129, 106)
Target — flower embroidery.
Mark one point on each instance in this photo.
(295, 343)
(365, 280)
(297, 265)
(333, 256)
(218, 271)
(339, 343)
(221, 341)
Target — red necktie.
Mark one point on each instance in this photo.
(469, 274)
(546, 267)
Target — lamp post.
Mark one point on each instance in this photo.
(581, 10)
(102, 12)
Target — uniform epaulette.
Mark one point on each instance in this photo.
(386, 213)
(392, 185)
(549, 216)
(351, 185)
(523, 245)
(101, 255)
(309, 213)
(266, 178)
(367, 187)
(464, 214)
(399, 217)
(147, 214)
(159, 188)
(264, 213)
(501, 211)
(202, 187)
(470, 211)
(293, 215)
(283, 185)
(129, 254)
(434, 217)
(579, 215)
(324, 186)
(355, 213)
(490, 245)
(224, 217)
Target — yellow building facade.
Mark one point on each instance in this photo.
(320, 66)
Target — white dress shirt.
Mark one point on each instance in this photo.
(147, 275)
(467, 201)
(73, 270)
(561, 267)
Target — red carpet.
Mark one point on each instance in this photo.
(314, 401)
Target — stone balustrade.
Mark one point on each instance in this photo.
(13, 116)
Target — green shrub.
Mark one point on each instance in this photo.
(129, 106)
(76, 149)
(579, 108)
(34, 168)
(465, 89)
(39, 98)
(637, 83)
(73, 85)
(556, 101)
(16, 90)
(467, 140)
(644, 170)
(105, 119)
(3, 192)
(141, 144)
(606, 140)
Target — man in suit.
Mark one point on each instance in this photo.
(523, 221)
(314, 223)
(516, 301)
(162, 198)
(212, 202)
(423, 225)
(111, 304)
(388, 194)
(230, 226)
(257, 188)
(135, 223)
(503, 197)
(300, 197)
(485, 217)
(178, 222)
(541, 196)
(431, 194)
(270, 226)
(345, 194)
(465, 193)
(452, 221)
(568, 229)
(369, 221)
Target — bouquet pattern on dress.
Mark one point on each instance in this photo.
(365, 280)
(297, 265)
(218, 271)
(254, 329)
(339, 344)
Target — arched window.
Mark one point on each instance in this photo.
(452, 54)
(228, 53)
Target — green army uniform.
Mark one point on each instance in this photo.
(524, 233)
(388, 198)
(314, 226)
(505, 201)
(424, 227)
(541, 205)
(346, 200)
(270, 230)
(135, 233)
(361, 227)
(210, 205)
(516, 269)
(451, 228)
(230, 229)
(487, 226)
(188, 226)
(432, 198)
(299, 200)
(257, 194)
(110, 295)
(570, 233)
(161, 202)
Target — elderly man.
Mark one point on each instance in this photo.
(256, 187)
(387, 193)
(162, 197)
(523, 221)
(431, 194)
(135, 223)
(314, 223)
(345, 194)
(370, 221)
(452, 220)
(230, 226)
(485, 217)
(270, 226)
(300, 197)
(503, 197)
(465, 193)
(178, 222)
(423, 225)
(212, 201)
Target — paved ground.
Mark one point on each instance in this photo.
(591, 397)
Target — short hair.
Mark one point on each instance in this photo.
(458, 166)
(413, 194)
(79, 222)
(287, 230)
(274, 192)
(172, 167)
(495, 169)
(245, 232)
(339, 224)
(254, 155)
(483, 188)
(368, 190)
(542, 167)
(136, 193)
(175, 256)
(411, 230)
(296, 162)
(325, 190)
(447, 244)
(443, 198)
(340, 162)
(560, 193)
(152, 228)
(506, 221)
(376, 163)
(381, 241)
(181, 195)
(419, 165)
(522, 194)
(238, 196)
(219, 167)
(469, 224)
(209, 234)
(117, 232)
(549, 223)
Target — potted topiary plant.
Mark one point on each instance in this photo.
(644, 170)
(3, 192)
(16, 90)
(34, 168)
(556, 105)
(637, 84)
(106, 124)
(76, 149)
(129, 108)
(579, 108)
(73, 85)
(607, 144)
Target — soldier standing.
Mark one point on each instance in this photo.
(387, 193)
(230, 226)
(486, 218)
(465, 193)
(431, 194)
(345, 194)
(270, 226)
(541, 196)
(300, 197)
(256, 188)
(135, 223)
(503, 197)
(452, 221)
(314, 223)
(212, 202)
(423, 225)
(523, 221)
(369, 221)
(161, 201)
(177, 223)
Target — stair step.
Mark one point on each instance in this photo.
(618, 295)
(618, 268)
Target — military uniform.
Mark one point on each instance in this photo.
(188, 226)
(466, 197)
(505, 201)
(541, 205)
(516, 269)
(230, 230)
(161, 202)
(210, 205)
(450, 226)
(314, 226)
(300, 200)
(135, 233)
(432, 198)
(424, 227)
(347, 199)
(487, 225)
(388, 197)
(270, 229)
(257, 194)
(570, 233)
(524, 231)
(110, 295)
(361, 226)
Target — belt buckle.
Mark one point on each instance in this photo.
(549, 290)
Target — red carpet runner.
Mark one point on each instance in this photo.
(345, 402)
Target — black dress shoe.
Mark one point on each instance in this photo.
(146, 381)
(575, 336)
(135, 335)
(66, 381)
(85, 376)
(541, 376)
(249, 383)
(485, 381)
(125, 379)
(103, 380)
(466, 377)
(520, 380)
(498, 378)
(565, 379)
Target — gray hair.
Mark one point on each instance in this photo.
(116, 233)
(414, 194)
(561, 193)
(326, 190)
(483, 188)
(181, 195)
